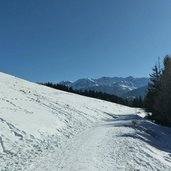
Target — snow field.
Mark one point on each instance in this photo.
(42, 129)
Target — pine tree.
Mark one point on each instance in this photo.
(153, 90)
(158, 98)
(163, 101)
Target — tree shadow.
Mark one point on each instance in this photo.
(121, 119)
(155, 135)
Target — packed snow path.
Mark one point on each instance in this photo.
(42, 129)
(113, 145)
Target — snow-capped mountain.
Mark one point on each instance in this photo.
(36, 120)
(43, 129)
(139, 92)
(112, 85)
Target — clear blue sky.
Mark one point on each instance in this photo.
(54, 40)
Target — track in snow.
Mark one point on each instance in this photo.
(112, 145)
(42, 129)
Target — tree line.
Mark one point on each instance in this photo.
(157, 102)
(136, 102)
(158, 99)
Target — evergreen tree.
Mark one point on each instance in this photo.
(153, 89)
(163, 101)
(158, 98)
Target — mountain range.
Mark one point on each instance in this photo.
(128, 87)
(44, 129)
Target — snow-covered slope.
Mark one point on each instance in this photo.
(35, 119)
(43, 129)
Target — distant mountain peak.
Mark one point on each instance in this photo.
(112, 85)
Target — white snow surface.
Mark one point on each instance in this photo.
(42, 129)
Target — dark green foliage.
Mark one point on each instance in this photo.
(158, 98)
(135, 102)
(99, 95)
(163, 102)
(58, 86)
(153, 89)
(138, 102)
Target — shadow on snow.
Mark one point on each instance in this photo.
(155, 135)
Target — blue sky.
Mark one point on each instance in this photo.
(42, 40)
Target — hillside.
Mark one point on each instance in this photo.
(139, 92)
(42, 129)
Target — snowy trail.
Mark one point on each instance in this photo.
(84, 151)
(111, 145)
(42, 129)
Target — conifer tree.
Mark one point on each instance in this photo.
(158, 98)
(163, 101)
(153, 89)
